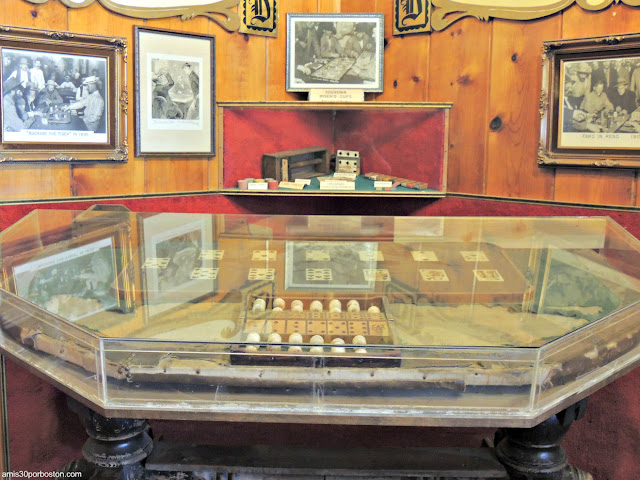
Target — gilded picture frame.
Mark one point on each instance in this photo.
(590, 102)
(64, 96)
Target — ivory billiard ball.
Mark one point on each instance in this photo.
(353, 301)
(274, 337)
(253, 337)
(279, 302)
(276, 309)
(251, 348)
(335, 304)
(295, 337)
(295, 349)
(337, 341)
(354, 307)
(359, 340)
(338, 350)
(297, 306)
(361, 350)
(316, 350)
(258, 308)
(373, 309)
(317, 340)
(316, 306)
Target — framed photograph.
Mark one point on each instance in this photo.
(323, 266)
(64, 96)
(180, 263)
(338, 50)
(175, 93)
(589, 102)
(76, 278)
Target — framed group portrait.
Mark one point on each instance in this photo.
(335, 51)
(64, 96)
(174, 93)
(590, 102)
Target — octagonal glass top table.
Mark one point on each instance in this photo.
(421, 321)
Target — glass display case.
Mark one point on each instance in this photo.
(308, 148)
(341, 319)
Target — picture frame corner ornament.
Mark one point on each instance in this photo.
(120, 43)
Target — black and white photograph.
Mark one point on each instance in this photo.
(335, 51)
(62, 96)
(50, 97)
(321, 266)
(590, 102)
(175, 92)
(74, 283)
(600, 100)
(176, 265)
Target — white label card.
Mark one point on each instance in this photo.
(337, 185)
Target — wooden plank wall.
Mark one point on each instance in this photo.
(489, 70)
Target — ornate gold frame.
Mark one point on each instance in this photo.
(552, 105)
(113, 50)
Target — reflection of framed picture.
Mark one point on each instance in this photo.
(323, 266)
(76, 278)
(180, 262)
(589, 103)
(338, 50)
(175, 93)
(64, 96)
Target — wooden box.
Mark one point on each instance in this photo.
(289, 165)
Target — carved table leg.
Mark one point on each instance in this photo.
(115, 448)
(536, 453)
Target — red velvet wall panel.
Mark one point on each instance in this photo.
(250, 133)
(407, 143)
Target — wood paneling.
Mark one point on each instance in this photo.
(277, 53)
(595, 186)
(465, 49)
(607, 186)
(34, 181)
(489, 70)
(514, 118)
(121, 179)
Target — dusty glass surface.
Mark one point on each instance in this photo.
(393, 320)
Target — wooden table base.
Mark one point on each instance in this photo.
(122, 449)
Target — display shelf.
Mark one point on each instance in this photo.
(406, 142)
